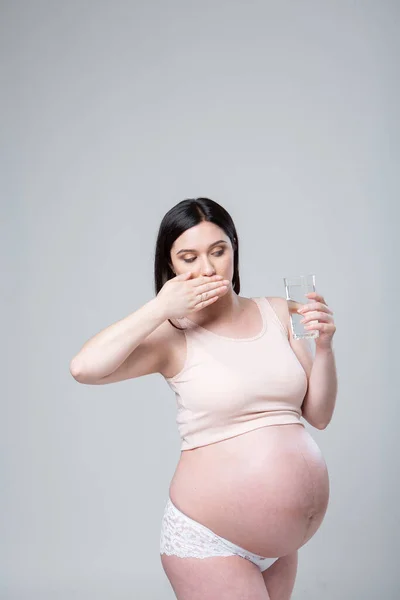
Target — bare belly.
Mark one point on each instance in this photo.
(266, 490)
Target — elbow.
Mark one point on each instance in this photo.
(76, 371)
(322, 426)
(314, 423)
(79, 375)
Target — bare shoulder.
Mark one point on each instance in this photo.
(280, 307)
(301, 347)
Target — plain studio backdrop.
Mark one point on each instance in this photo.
(286, 113)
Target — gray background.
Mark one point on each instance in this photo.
(286, 113)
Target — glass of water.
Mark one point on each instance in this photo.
(296, 289)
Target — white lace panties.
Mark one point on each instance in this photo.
(184, 537)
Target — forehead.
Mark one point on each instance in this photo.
(200, 236)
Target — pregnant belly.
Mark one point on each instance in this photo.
(266, 490)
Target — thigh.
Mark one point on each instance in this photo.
(222, 577)
(279, 578)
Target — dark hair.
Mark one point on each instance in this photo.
(183, 216)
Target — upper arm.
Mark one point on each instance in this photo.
(148, 357)
(301, 347)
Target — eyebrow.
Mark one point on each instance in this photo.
(211, 245)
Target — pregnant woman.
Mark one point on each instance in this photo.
(251, 486)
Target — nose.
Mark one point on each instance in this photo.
(207, 269)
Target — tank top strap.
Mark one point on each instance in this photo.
(270, 314)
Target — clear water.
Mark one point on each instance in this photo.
(296, 295)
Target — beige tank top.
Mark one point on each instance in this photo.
(229, 386)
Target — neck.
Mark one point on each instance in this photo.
(225, 309)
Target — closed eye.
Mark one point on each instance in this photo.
(190, 260)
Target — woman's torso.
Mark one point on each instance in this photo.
(258, 489)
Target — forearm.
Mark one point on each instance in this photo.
(106, 351)
(319, 403)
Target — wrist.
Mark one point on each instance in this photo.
(324, 349)
(158, 309)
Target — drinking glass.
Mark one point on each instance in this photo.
(296, 289)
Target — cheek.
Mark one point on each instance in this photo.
(227, 258)
(228, 263)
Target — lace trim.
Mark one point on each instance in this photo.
(182, 536)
